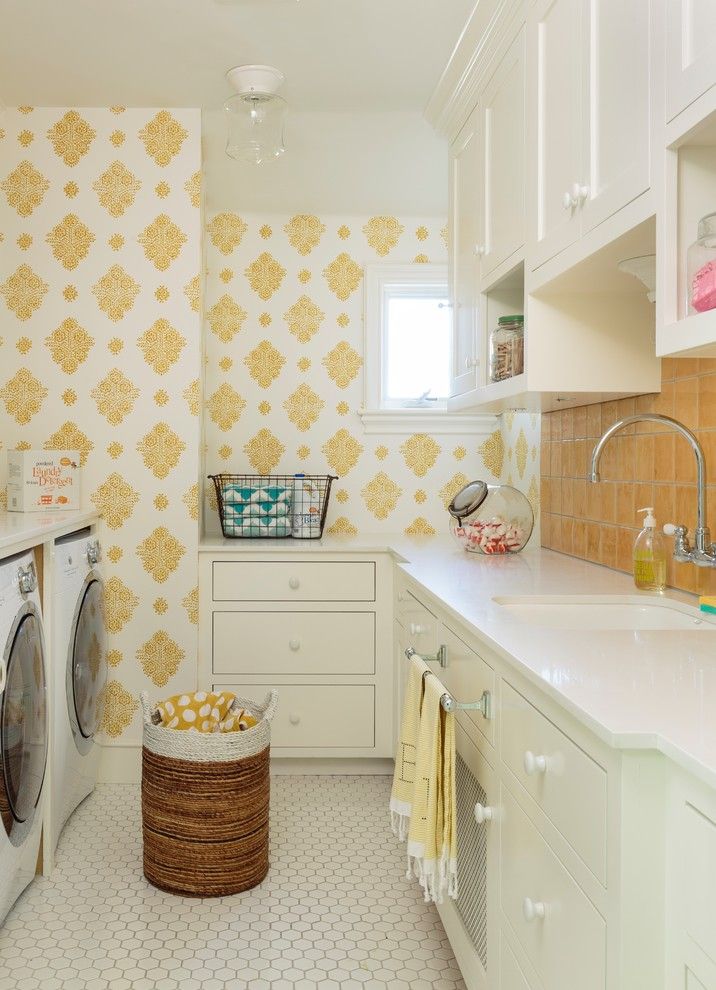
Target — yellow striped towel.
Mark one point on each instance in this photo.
(401, 797)
(431, 837)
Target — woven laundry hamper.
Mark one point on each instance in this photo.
(205, 805)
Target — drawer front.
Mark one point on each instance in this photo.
(317, 716)
(567, 947)
(466, 676)
(511, 975)
(564, 781)
(699, 898)
(297, 581)
(294, 643)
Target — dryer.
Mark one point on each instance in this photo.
(23, 726)
(79, 674)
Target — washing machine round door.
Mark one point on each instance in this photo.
(23, 724)
(87, 663)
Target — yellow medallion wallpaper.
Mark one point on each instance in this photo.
(100, 254)
(284, 373)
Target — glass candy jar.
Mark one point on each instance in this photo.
(701, 267)
(507, 348)
(491, 519)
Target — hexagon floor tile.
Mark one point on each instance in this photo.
(335, 911)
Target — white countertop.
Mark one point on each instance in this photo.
(21, 530)
(633, 689)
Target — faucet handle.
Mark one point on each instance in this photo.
(672, 530)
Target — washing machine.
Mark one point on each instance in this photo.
(23, 725)
(79, 674)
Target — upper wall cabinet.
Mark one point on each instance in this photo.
(465, 235)
(590, 115)
(690, 46)
(501, 119)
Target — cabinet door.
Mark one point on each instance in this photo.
(554, 141)
(465, 225)
(616, 112)
(690, 42)
(502, 118)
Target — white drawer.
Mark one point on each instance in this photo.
(567, 947)
(564, 781)
(287, 580)
(294, 643)
(511, 975)
(317, 716)
(698, 838)
(466, 676)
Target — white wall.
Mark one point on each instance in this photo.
(335, 163)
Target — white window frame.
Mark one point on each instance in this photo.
(376, 415)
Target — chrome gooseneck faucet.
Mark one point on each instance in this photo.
(703, 553)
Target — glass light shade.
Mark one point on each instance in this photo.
(255, 127)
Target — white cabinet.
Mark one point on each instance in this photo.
(316, 626)
(554, 142)
(465, 238)
(690, 45)
(590, 76)
(502, 122)
(617, 102)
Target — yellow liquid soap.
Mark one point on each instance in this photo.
(650, 574)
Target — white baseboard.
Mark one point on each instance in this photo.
(123, 765)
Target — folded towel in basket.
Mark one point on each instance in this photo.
(203, 711)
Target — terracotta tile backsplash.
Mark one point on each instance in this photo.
(643, 465)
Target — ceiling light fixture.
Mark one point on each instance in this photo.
(256, 114)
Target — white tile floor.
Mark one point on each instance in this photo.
(335, 911)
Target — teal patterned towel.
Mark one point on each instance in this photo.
(257, 511)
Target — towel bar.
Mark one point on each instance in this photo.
(484, 705)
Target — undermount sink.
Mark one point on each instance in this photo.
(633, 612)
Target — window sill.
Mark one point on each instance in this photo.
(431, 421)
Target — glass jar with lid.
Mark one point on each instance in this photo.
(507, 348)
(701, 267)
(491, 519)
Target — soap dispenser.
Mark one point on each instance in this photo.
(649, 556)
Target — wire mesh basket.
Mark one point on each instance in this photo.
(253, 506)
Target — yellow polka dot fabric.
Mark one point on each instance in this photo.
(204, 711)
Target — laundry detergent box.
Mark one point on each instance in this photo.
(41, 480)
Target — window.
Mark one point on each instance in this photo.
(408, 339)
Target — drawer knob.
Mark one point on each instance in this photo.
(534, 764)
(294, 644)
(416, 629)
(401, 596)
(483, 813)
(532, 910)
(294, 583)
(294, 718)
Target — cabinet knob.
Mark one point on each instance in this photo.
(479, 250)
(294, 718)
(579, 194)
(483, 813)
(416, 629)
(294, 644)
(534, 764)
(294, 583)
(531, 910)
(401, 596)
(471, 362)
(568, 201)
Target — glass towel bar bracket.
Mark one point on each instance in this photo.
(484, 705)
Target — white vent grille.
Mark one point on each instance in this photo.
(471, 859)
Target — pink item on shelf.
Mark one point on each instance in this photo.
(703, 288)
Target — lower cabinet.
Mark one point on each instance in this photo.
(317, 627)
(556, 924)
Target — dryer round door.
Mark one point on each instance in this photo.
(23, 724)
(87, 663)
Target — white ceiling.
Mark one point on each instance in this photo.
(338, 55)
